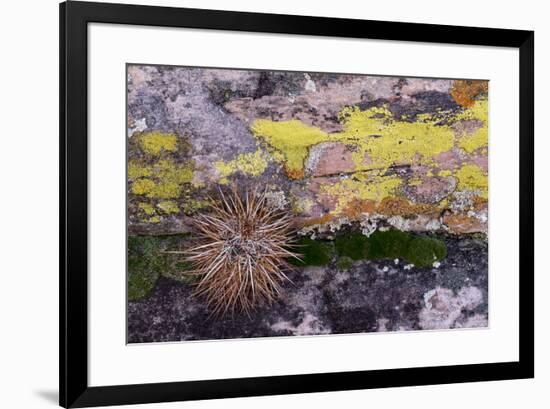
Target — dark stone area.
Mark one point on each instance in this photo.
(383, 295)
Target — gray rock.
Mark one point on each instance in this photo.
(370, 296)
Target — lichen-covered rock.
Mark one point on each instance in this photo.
(329, 158)
(334, 148)
(443, 307)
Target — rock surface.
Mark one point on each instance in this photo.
(369, 296)
(333, 145)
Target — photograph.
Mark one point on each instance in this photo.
(243, 205)
(264, 203)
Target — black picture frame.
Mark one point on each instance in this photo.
(73, 349)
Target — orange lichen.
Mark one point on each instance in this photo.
(399, 206)
(461, 223)
(479, 203)
(357, 207)
(317, 220)
(295, 174)
(465, 92)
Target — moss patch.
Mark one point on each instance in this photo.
(144, 266)
(147, 261)
(313, 252)
(353, 246)
(423, 251)
(344, 263)
(388, 244)
(418, 250)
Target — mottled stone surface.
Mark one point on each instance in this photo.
(338, 153)
(384, 295)
(344, 163)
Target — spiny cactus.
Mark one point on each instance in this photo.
(240, 258)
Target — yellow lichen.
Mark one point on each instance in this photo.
(254, 164)
(301, 205)
(480, 138)
(156, 142)
(444, 173)
(168, 206)
(389, 142)
(361, 187)
(472, 177)
(373, 132)
(291, 138)
(154, 219)
(358, 123)
(147, 208)
(169, 171)
(143, 186)
(138, 170)
(166, 180)
(191, 205)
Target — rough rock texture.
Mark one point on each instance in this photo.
(335, 146)
(341, 154)
(384, 295)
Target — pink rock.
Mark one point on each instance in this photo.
(460, 223)
(449, 160)
(467, 127)
(329, 158)
(482, 161)
(431, 189)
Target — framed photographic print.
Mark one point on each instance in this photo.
(256, 204)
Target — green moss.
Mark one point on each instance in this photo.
(418, 250)
(143, 266)
(353, 246)
(313, 252)
(147, 261)
(178, 270)
(344, 263)
(423, 251)
(388, 244)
